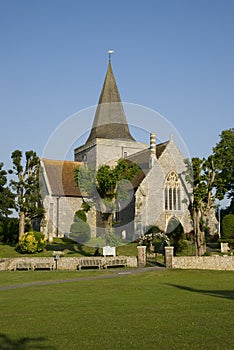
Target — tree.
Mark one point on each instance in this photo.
(210, 179)
(201, 174)
(224, 156)
(7, 198)
(26, 187)
(106, 186)
(228, 227)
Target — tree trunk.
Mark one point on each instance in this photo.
(107, 223)
(21, 224)
(199, 235)
(107, 220)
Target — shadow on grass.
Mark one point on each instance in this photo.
(25, 343)
(61, 245)
(228, 294)
(69, 245)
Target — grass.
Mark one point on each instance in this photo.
(163, 309)
(69, 248)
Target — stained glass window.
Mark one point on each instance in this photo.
(172, 192)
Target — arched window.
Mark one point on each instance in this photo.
(172, 192)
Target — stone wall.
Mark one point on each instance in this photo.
(103, 151)
(214, 262)
(59, 215)
(63, 263)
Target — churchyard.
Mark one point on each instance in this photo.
(116, 309)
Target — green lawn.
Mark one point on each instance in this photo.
(162, 309)
(67, 246)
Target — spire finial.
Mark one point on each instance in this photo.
(110, 52)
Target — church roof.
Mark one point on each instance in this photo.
(142, 158)
(60, 177)
(110, 121)
(160, 148)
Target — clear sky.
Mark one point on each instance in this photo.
(173, 56)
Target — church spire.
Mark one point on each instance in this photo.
(110, 121)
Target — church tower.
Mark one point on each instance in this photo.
(110, 138)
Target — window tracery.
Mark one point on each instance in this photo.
(172, 192)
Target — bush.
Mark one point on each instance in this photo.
(154, 229)
(80, 215)
(32, 242)
(228, 226)
(41, 241)
(80, 231)
(9, 230)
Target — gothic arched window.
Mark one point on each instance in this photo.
(172, 192)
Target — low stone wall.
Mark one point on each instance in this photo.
(63, 263)
(214, 262)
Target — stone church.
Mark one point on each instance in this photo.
(160, 196)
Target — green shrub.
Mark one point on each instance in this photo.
(87, 206)
(41, 241)
(32, 242)
(80, 231)
(154, 229)
(80, 215)
(9, 230)
(228, 226)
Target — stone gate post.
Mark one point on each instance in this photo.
(141, 258)
(169, 253)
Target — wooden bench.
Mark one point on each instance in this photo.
(89, 262)
(23, 265)
(115, 262)
(43, 266)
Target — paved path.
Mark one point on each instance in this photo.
(118, 273)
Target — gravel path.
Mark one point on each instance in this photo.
(118, 273)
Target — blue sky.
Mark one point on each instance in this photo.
(173, 56)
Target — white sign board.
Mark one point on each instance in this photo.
(107, 250)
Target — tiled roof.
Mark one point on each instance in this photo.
(60, 175)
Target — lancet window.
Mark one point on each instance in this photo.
(172, 192)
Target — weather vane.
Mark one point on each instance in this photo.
(110, 52)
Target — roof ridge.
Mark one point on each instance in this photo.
(59, 161)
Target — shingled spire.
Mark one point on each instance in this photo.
(110, 121)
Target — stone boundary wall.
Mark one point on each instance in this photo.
(63, 263)
(215, 262)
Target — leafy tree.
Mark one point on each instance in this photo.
(7, 198)
(210, 178)
(228, 227)
(201, 174)
(26, 187)
(224, 156)
(106, 186)
(9, 229)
